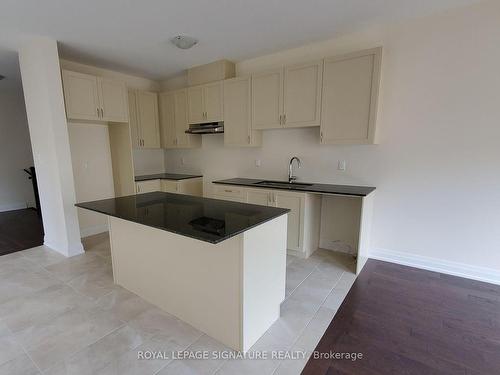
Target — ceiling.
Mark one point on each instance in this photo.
(132, 36)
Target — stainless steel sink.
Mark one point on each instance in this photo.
(283, 184)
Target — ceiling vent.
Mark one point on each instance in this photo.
(184, 41)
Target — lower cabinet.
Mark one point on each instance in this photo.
(295, 203)
(148, 186)
(191, 186)
(229, 193)
(303, 218)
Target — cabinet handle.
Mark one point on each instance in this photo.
(321, 137)
(98, 113)
(248, 139)
(284, 119)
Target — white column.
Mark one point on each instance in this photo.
(41, 77)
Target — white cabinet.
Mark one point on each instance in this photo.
(167, 120)
(259, 196)
(295, 203)
(287, 97)
(237, 114)
(267, 99)
(191, 186)
(302, 95)
(349, 100)
(88, 97)
(147, 186)
(205, 103)
(303, 218)
(113, 95)
(229, 193)
(174, 121)
(144, 119)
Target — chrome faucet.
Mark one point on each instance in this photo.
(291, 177)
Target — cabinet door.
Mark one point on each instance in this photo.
(196, 111)
(267, 100)
(261, 197)
(135, 133)
(237, 117)
(212, 102)
(169, 186)
(192, 186)
(81, 96)
(167, 120)
(302, 95)
(230, 193)
(349, 102)
(147, 186)
(294, 202)
(147, 118)
(181, 118)
(113, 98)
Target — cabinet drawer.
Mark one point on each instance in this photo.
(230, 192)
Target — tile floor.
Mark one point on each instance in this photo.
(65, 316)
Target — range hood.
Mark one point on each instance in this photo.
(206, 128)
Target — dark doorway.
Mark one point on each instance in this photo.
(20, 230)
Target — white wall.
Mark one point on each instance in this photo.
(91, 155)
(16, 191)
(436, 167)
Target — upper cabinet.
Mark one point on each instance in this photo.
(302, 95)
(237, 114)
(267, 100)
(174, 121)
(349, 100)
(88, 97)
(205, 103)
(144, 120)
(289, 97)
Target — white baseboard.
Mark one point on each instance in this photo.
(12, 206)
(90, 231)
(488, 275)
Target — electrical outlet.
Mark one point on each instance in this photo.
(341, 165)
(257, 163)
(183, 161)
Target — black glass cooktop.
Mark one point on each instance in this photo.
(205, 219)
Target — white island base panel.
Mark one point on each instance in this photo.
(231, 291)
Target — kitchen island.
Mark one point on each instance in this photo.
(217, 265)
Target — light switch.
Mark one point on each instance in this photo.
(257, 162)
(341, 165)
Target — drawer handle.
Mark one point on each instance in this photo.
(228, 191)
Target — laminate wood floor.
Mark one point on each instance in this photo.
(20, 230)
(409, 321)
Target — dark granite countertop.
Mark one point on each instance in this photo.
(165, 176)
(204, 219)
(359, 191)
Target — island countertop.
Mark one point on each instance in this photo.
(351, 190)
(204, 219)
